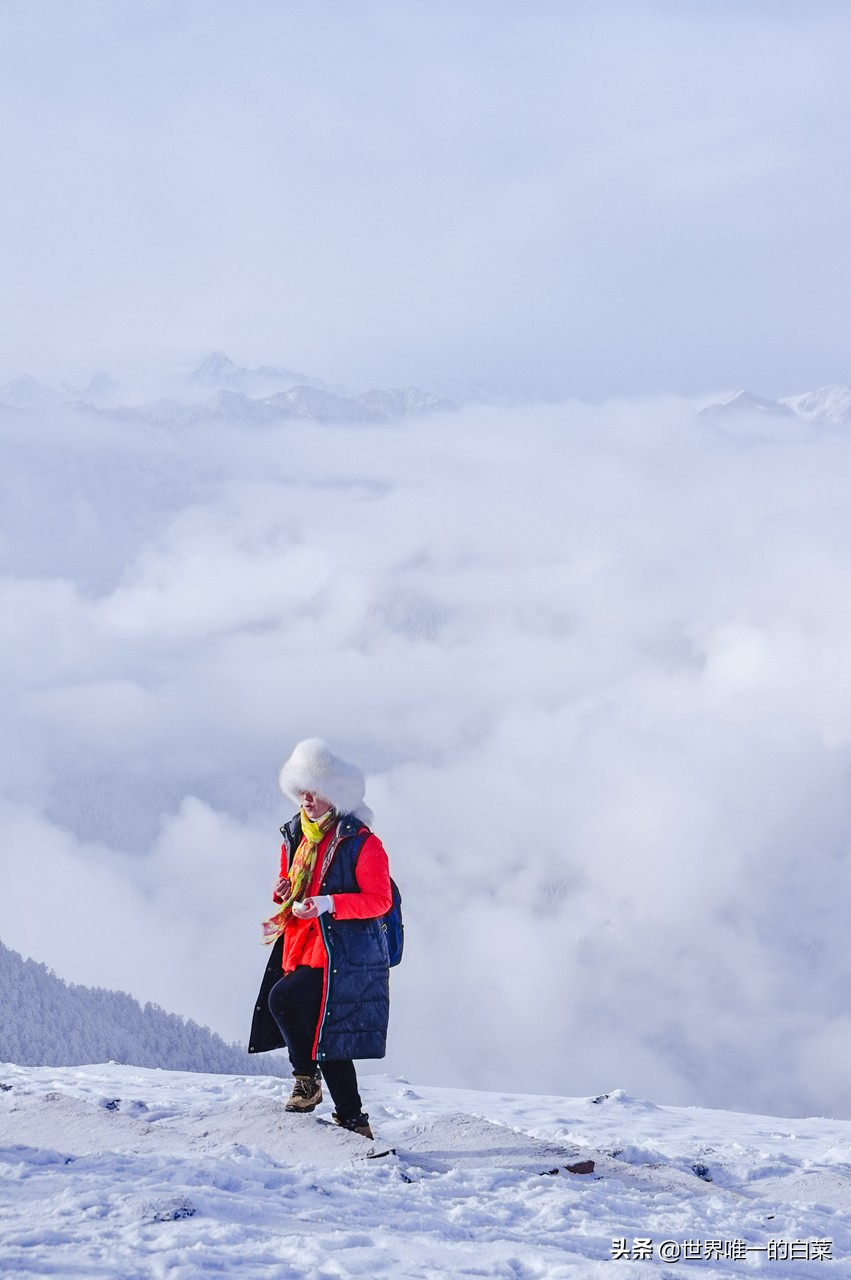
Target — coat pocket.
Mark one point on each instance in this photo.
(360, 944)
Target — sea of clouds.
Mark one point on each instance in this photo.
(594, 660)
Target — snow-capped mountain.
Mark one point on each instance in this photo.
(305, 402)
(28, 393)
(830, 404)
(218, 370)
(299, 402)
(399, 401)
(251, 397)
(320, 406)
(220, 390)
(102, 390)
(747, 402)
(224, 406)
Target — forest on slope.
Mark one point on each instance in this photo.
(49, 1022)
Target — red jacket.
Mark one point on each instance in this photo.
(303, 938)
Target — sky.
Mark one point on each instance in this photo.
(576, 198)
(593, 661)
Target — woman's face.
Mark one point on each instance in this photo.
(314, 805)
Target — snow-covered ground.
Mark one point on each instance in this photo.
(114, 1171)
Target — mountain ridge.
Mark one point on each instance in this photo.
(232, 393)
(829, 404)
(218, 390)
(49, 1022)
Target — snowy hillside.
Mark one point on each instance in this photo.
(110, 1171)
(48, 1021)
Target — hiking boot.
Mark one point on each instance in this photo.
(358, 1124)
(306, 1094)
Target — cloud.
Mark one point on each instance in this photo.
(594, 661)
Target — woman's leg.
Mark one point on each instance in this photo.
(342, 1081)
(294, 1003)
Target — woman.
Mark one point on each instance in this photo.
(326, 991)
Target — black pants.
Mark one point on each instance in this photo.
(294, 1003)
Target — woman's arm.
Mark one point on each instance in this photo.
(282, 888)
(372, 873)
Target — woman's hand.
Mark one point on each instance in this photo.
(281, 890)
(313, 907)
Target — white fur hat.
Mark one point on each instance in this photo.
(313, 767)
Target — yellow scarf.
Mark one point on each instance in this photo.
(300, 873)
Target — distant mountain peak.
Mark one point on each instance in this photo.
(26, 392)
(748, 400)
(218, 370)
(101, 384)
(827, 404)
(215, 366)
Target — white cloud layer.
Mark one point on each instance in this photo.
(594, 660)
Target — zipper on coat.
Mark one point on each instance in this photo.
(326, 990)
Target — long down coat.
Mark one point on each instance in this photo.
(355, 1006)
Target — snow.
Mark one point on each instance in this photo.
(116, 1171)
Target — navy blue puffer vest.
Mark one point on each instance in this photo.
(356, 1005)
